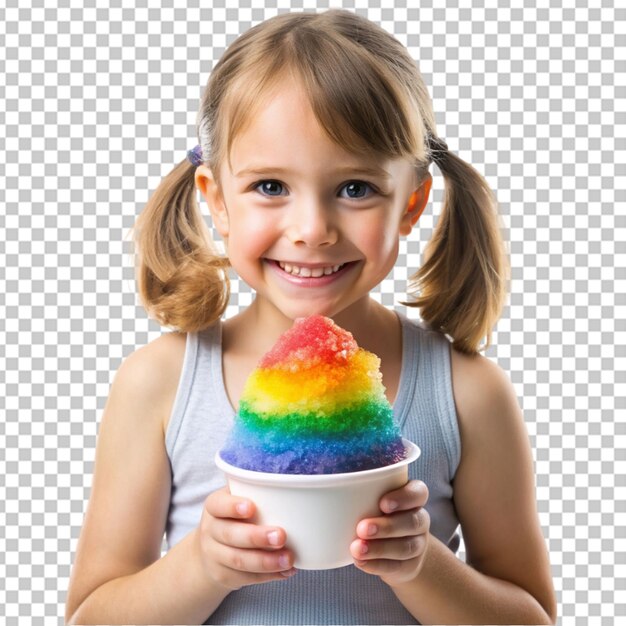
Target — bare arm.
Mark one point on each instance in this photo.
(507, 578)
(118, 575)
(172, 590)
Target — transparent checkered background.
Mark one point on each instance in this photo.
(98, 101)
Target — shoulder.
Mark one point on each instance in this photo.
(153, 364)
(485, 398)
(478, 381)
(151, 374)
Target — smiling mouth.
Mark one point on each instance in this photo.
(310, 272)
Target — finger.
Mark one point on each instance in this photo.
(256, 561)
(221, 503)
(246, 535)
(400, 549)
(402, 524)
(410, 496)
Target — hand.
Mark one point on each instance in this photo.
(393, 546)
(234, 551)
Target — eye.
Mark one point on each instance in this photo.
(270, 188)
(357, 189)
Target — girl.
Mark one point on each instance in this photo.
(316, 134)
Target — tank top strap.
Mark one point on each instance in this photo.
(425, 392)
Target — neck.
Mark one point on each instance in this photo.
(260, 325)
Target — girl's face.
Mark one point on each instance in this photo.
(310, 227)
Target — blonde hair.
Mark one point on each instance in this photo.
(367, 93)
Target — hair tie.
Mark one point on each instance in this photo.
(195, 156)
(438, 149)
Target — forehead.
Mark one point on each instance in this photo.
(266, 98)
(283, 123)
(284, 133)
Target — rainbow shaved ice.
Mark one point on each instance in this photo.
(315, 404)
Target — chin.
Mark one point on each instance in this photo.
(306, 309)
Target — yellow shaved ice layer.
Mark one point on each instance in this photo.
(325, 388)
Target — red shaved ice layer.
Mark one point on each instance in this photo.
(310, 341)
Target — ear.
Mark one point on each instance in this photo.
(206, 183)
(416, 205)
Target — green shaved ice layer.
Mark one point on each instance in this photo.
(351, 419)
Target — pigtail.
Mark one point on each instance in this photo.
(182, 281)
(462, 284)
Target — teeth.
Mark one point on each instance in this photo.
(307, 272)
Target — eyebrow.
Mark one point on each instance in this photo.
(261, 171)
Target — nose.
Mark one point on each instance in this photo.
(310, 223)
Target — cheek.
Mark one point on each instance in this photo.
(251, 229)
(376, 237)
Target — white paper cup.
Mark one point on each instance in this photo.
(319, 512)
